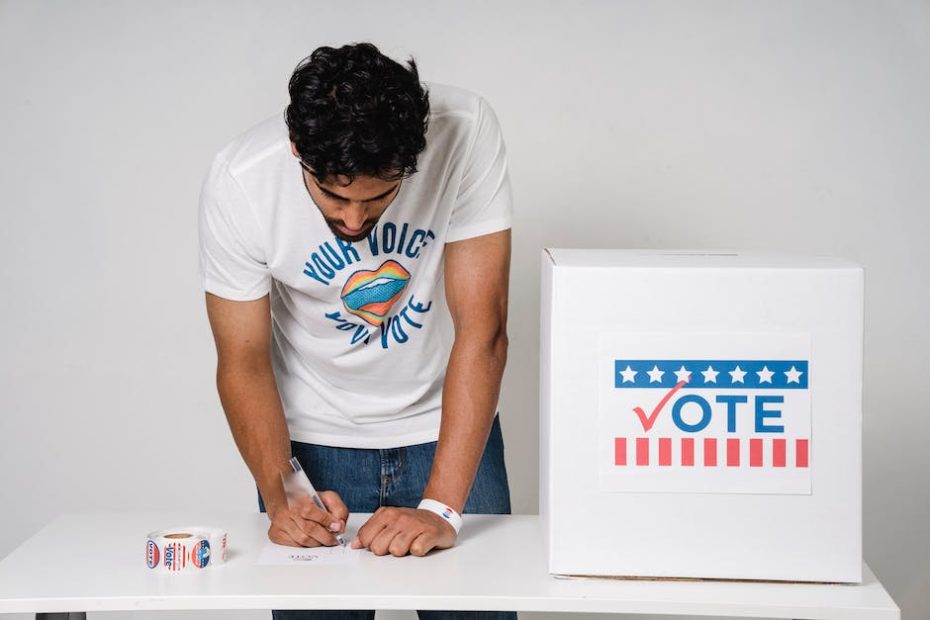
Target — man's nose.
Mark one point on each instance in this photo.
(354, 217)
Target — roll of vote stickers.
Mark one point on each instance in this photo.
(185, 549)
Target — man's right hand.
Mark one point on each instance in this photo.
(301, 523)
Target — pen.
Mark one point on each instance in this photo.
(300, 479)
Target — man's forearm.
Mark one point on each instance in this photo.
(253, 409)
(469, 402)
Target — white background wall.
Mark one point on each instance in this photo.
(796, 126)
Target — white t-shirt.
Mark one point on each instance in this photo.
(361, 330)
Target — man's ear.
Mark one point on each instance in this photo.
(294, 150)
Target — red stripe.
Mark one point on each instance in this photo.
(665, 451)
(801, 456)
(732, 452)
(778, 452)
(687, 451)
(620, 451)
(710, 452)
(755, 453)
(642, 450)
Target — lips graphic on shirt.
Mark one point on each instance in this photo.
(371, 294)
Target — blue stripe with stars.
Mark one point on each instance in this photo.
(713, 374)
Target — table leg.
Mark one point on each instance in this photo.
(64, 615)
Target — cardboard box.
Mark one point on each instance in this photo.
(701, 415)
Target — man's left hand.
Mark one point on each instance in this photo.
(400, 531)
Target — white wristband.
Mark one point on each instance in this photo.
(451, 516)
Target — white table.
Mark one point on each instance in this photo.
(95, 562)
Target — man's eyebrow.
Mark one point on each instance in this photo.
(372, 199)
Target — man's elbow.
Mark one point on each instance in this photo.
(488, 343)
(501, 343)
(241, 365)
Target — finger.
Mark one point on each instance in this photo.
(317, 532)
(281, 537)
(381, 542)
(335, 505)
(298, 536)
(287, 528)
(301, 531)
(369, 530)
(400, 545)
(422, 544)
(308, 510)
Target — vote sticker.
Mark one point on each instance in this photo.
(200, 554)
(705, 413)
(175, 556)
(151, 554)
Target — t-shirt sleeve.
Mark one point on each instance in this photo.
(232, 260)
(484, 203)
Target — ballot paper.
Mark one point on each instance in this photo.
(277, 555)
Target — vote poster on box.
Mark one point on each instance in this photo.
(683, 412)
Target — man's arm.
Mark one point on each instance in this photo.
(249, 395)
(477, 274)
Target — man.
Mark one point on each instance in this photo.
(355, 257)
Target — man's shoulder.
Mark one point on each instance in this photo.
(256, 145)
(445, 99)
(456, 115)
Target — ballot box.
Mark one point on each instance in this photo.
(701, 415)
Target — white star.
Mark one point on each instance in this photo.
(655, 375)
(736, 375)
(765, 375)
(710, 375)
(629, 375)
(794, 375)
(683, 374)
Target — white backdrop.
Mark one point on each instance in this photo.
(795, 126)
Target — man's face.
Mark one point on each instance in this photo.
(350, 210)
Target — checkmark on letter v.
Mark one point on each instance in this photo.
(650, 420)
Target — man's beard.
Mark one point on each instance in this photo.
(369, 224)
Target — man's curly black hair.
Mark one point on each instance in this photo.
(354, 111)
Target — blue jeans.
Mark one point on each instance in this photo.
(367, 479)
